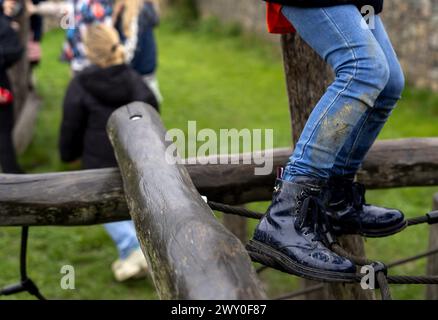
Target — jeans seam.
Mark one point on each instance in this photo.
(347, 43)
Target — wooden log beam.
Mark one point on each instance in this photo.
(389, 164)
(96, 196)
(401, 163)
(432, 262)
(191, 254)
(62, 199)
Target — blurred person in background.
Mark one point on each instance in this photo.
(77, 17)
(74, 16)
(92, 96)
(85, 13)
(11, 51)
(36, 36)
(135, 20)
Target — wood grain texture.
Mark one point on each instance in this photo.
(97, 196)
(191, 254)
(237, 225)
(63, 199)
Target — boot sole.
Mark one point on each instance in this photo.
(272, 258)
(377, 233)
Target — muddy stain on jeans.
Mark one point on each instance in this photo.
(334, 130)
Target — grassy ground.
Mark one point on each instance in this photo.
(222, 80)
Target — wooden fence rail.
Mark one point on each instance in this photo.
(97, 196)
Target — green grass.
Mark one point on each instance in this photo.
(221, 79)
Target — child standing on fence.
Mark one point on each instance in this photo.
(316, 193)
(92, 96)
(10, 52)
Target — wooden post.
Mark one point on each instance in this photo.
(26, 121)
(191, 254)
(27, 103)
(432, 263)
(19, 73)
(237, 225)
(307, 77)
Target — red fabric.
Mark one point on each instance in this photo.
(277, 22)
(5, 96)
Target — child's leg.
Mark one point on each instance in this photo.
(354, 151)
(362, 72)
(151, 81)
(124, 236)
(289, 236)
(132, 263)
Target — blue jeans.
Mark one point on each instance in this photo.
(368, 83)
(124, 236)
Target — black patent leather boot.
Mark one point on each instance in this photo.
(294, 235)
(349, 213)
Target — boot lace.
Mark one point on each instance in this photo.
(358, 195)
(312, 218)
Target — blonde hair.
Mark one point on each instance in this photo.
(102, 46)
(131, 11)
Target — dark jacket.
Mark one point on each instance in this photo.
(91, 98)
(37, 24)
(377, 4)
(8, 159)
(10, 52)
(11, 48)
(144, 60)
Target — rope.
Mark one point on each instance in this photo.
(261, 269)
(414, 258)
(383, 285)
(430, 218)
(301, 292)
(361, 261)
(383, 279)
(26, 284)
(413, 279)
(386, 295)
(417, 221)
(237, 211)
